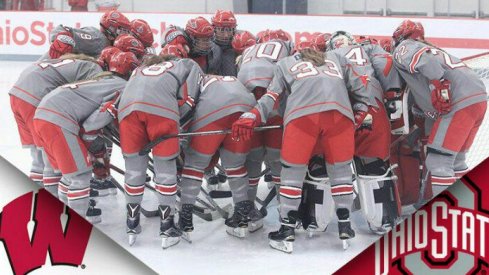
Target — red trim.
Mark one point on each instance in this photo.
(59, 114)
(415, 59)
(236, 172)
(166, 189)
(257, 78)
(193, 173)
(216, 111)
(320, 103)
(388, 65)
(444, 181)
(253, 181)
(133, 190)
(341, 189)
(76, 194)
(149, 104)
(27, 93)
(51, 180)
(291, 192)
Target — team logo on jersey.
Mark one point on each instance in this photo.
(447, 234)
(36, 224)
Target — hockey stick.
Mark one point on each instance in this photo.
(221, 211)
(268, 199)
(147, 148)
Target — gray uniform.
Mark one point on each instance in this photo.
(384, 69)
(220, 97)
(362, 66)
(418, 64)
(307, 90)
(35, 82)
(68, 107)
(157, 90)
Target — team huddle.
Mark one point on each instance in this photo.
(338, 117)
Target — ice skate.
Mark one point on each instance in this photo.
(133, 226)
(100, 186)
(111, 186)
(345, 232)
(237, 225)
(312, 228)
(284, 238)
(169, 233)
(222, 177)
(185, 221)
(93, 215)
(212, 179)
(256, 220)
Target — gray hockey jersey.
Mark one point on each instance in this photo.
(362, 66)
(168, 89)
(257, 62)
(70, 105)
(384, 68)
(88, 40)
(419, 63)
(308, 89)
(40, 78)
(220, 96)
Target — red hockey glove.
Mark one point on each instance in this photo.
(243, 127)
(440, 95)
(62, 44)
(110, 108)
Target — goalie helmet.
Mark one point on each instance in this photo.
(386, 44)
(320, 41)
(200, 32)
(176, 50)
(224, 24)
(128, 43)
(142, 31)
(243, 40)
(123, 63)
(305, 44)
(407, 30)
(367, 40)
(113, 23)
(105, 56)
(340, 39)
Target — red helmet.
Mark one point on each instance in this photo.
(129, 43)
(200, 32)
(407, 30)
(105, 56)
(224, 19)
(272, 35)
(386, 44)
(243, 40)
(177, 50)
(123, 63)
(366, 40)
(114, 23)
(420, 30)
(305, 44)
(142, 31)
(320, 41)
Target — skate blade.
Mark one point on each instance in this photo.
(311, 231)
(132, 239)
(284, 246)
(169, 241)
(255, 225)
(94, 220)
(240, 232)
(186, 237)
(346, 244)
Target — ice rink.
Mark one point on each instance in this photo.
(213, 251)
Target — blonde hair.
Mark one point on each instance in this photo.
(313, 56)
(156, 59)
(101, 75)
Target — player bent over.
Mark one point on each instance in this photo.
(222, 100)
(452, 97)
(58, 120)
(315, 87)
(158, 96)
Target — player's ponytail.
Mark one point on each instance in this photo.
(313, 56)
(156, 59)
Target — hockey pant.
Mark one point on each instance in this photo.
(199, 153)
(334, 132)
(450, 139)
(265, 146)
(375, 143)
(67, 152)
(136, 130)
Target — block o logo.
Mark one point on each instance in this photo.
(29, 229)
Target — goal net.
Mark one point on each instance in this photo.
(480, 149)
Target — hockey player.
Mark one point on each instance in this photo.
(242, 41)
(34, 83)
(318, 110)
(104, 58)
(224, 24)
(143, 32)
(256, 72)
(196, 38)
(222, 100)
(113, 23)
(452, 97)
(128, 43)
(159, 97)
(372, 145)
(58, 125)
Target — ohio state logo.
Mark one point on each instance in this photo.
(446, 235)
(34, 224)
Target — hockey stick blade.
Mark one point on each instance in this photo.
(268, 199)
(220, 194)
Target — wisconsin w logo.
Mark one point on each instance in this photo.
(35, 224)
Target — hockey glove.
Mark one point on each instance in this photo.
(392, 101)
(363, 120)
(62, 44)
(440, 95)
(244, 126)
